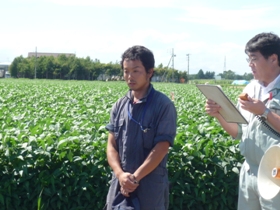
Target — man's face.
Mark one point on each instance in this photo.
(135, 75)
(261, 67)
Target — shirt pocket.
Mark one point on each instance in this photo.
(148, 136)
(118, 124)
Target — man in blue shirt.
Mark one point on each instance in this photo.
(142, 128)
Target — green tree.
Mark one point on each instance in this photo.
(61, 66)
(160, 73)
(248, 76)
(112, 69)
(229, 75)
(97, 69)
(64, 67)
(200, 74)
(209, 75)
(14, 67)
(184, 75)
(50, 66)
(88, 67)
(24, 69)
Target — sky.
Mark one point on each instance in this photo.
(213, 32)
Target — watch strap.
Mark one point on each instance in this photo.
(266, 111)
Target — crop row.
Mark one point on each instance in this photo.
(53, 140)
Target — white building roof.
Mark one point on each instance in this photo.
(5, 63)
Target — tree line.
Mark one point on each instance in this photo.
(74, 68)
(228, 75)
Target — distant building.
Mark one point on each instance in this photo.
(240, 82)
(218, 77)
(4, 67)
(40, 54)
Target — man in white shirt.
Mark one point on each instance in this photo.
(263, 106)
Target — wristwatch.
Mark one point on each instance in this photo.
(264, 115)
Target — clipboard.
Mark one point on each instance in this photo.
(229, 111)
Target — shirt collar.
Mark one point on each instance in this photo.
(270, 86)
(144, 99)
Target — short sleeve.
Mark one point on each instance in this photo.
(110, 125)
(239, 132)
(166, 128)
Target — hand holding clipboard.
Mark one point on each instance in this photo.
(228, 111)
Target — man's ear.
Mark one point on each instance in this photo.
(274, 58)
(151, 72)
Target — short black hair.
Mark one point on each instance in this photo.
(266, 43)
(141, 53)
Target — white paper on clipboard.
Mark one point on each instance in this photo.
(229, 112)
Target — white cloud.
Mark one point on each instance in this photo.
(232, 19)
(115, 3)
(206, 49)
(160, 36)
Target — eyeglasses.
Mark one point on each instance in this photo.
(251, 60)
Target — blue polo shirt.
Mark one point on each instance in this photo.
(139, 127)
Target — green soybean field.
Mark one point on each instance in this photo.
(53, 146)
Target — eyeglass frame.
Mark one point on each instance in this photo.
(251, 60)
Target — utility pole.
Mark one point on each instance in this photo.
(173, 64)
(188, 55)
(35, 62)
